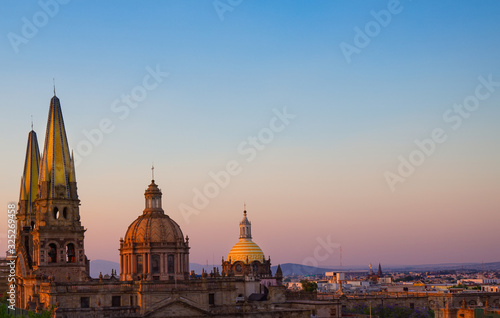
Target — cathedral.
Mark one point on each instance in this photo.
(52, 269)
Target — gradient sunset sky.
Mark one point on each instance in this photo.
(232, 65)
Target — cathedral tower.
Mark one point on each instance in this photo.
(58, 247)
(26, 214)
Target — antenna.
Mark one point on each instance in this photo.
(340, 257)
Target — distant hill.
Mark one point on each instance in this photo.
(101, 266)
(289, 269)
(198, 267)
(298, 269)
(98, 266)
(447, 266)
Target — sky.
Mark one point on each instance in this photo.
(366, 125)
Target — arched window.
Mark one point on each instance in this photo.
(155, 263)
(27, 245)
(65, 213)
(56, 213)
(255, 267)
(139, 263)
(52, 253)
(70, 253)
(170, 263)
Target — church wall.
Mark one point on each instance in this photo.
(53, 270)
(471, 299)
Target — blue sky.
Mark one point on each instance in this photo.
(324, 171)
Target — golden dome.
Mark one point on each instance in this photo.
(154, 228)
(245, 250)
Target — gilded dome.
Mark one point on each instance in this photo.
(154, 228)
(245, 250)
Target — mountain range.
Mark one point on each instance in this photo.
(288, 269)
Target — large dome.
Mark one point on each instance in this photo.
(153, 228)
(245, 250)
(154, 247)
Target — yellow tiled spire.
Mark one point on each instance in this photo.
(29, 181)
(57, 168)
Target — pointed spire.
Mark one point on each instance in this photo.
(29, 181)
(56, 169)
(72, 176)
(279, 272)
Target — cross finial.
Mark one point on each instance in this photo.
(153, 172)
(31, 122)
(244, 206)
(54, 83)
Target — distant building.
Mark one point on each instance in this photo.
(478, 281)
(490, 288)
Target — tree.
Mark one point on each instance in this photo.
(309, 286)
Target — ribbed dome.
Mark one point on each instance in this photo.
(154, 228)
(245, 249)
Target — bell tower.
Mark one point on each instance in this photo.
(58, 236)
(26, 215)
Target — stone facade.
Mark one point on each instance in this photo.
(455, 305)
(52, 270)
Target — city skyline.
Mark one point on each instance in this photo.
(331, 130)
